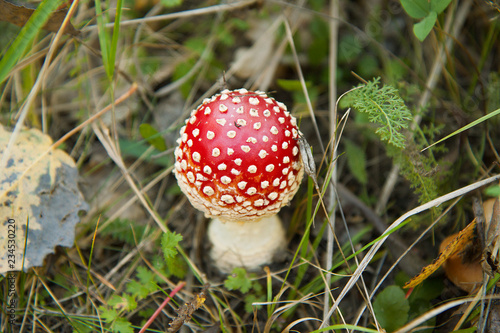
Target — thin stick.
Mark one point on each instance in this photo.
(332, 97)
(160, 308)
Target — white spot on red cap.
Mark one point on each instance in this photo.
(252, 169)
(184, 165)
(196, 132)
(284, 145)
(196, 156)
(265, 138)
(254, 113)
(264, 184)
(222, 108)
(221, 121)
(222, 166)
(258, 203)
(236, 100)
(208, 190)
(269, 167)
(252, 140)
(227, 198)
(263, 153)
(276, 182)
(242, 185)
(190, 176)
(230, 151)
(242, 91)
(210, 135)
(241, 122)
(267, 113)
(287, 133)
(245, 148)
(286, 159)
(251, 191)
(272, 195)
(282, 106)
(283, 184)
(225, 180)
(190, 143)
(235, 172)
(207, 169)
(269, 100)
(285, 171)
(192, 119)
(257, 125)
(276, 109)
(224, 96)
(274, 148)
(281, 120)
(253, 100)
(215, 152)
(238, 161)
(207, 110)
(240, 110)
(274, 130)
(295, 151)
(231, 134)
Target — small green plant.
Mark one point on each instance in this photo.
(242, 281)
(427, 10)
(384, 107)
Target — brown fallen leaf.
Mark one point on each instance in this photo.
(19, 13)
(455, 245)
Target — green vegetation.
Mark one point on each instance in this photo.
(410, 108)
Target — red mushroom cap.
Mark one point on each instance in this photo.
(238, 156)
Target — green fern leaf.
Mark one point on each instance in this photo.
(385, 108)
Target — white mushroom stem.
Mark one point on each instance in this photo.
(245, 244)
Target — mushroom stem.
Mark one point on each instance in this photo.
(245, 244)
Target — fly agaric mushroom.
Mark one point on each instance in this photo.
(238, 161)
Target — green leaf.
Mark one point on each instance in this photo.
(169, 243)
(384, 108)
(122, 325)
(416, 8)
(424, 27)
(171, 3)
(151, 135)
(176, 266)
(391, 308)
(493, 191)
(238, 280)
(138, 289)
(439, 5)
(108, 314)
(292, 85)
(26, 36)
(356, 161)
(125, 302)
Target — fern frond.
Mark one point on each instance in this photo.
(384, 107)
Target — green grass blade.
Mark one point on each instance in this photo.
(26, 36)
(116, 34)
(466, 127)
(108, 44)
(103, 37)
